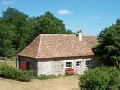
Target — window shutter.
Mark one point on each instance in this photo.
(24, 65)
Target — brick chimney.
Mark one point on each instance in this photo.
(79, 35)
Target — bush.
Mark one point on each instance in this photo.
(44, 77)
(25, 76)
(14, 73)
(100, 78)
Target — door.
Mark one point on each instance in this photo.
(24, 65)
(78, 67)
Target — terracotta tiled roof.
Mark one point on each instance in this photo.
(59, 45)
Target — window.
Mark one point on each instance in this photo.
(78, 63)
(88, 63)
(69, 64)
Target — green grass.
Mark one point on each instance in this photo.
(44, 77)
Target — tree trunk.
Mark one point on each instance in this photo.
(118, 64)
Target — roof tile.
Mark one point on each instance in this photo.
(59, 45)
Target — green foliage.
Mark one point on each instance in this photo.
(108, 48)
(100, 78)
(44, 77)
(21, 30)
(25, 76)
(14, 73)
(69, 31)
(6, 37)
(49, 24)
(17, 30)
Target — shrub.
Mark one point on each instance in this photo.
(24, 76)
(14, 73)
(114, 82)
(100, 78)
(44, 77)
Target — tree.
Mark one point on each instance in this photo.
(18, 20)
(108, 48)
(69, 31)
(6, 37)
(48, 24)
(17, 30)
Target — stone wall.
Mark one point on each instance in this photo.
(57, 67)
(78, 69)
(50, 67)
(32, 63)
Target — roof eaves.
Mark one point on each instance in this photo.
(84, 56)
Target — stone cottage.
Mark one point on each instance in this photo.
(58, 54)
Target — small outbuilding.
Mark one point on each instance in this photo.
(58, 54)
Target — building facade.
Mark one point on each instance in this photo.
(58, 54)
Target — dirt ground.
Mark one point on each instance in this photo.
(61, 83)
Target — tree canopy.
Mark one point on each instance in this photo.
(108, 48)
(17, 29)
(20, 29)
(48, 24)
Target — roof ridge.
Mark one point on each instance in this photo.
(39, 46)
(67, 35)
(57, 34)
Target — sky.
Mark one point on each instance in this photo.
(90, 16)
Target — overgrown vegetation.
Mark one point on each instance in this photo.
(108, 48)
(100, 78)
(14, 73)
(17, 29)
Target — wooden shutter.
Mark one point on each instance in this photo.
(24, 65)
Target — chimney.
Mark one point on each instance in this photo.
(80, 35)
